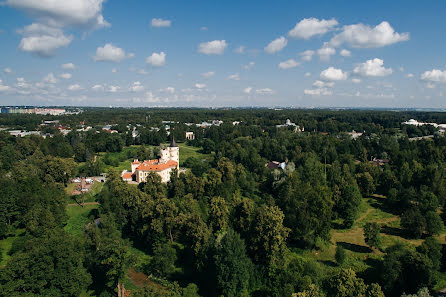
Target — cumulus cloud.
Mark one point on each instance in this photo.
(50, 78)
(356, 80)
(409, 75)
(136, 87)
(307, 74)
(74, 87)
(435, 75)
(68, 66)
(7, 70)
(200, 86)
(97, 88)
(345, 53)
(216, 47)
(265, 91)
(142, 72)
(4, 88)
(318, 92)
(310, 27)
(65, 75)
(307, 55)
(113, 89)
(333, 74)
(208, 74)
(326, 52)
(276, 45)
(288, 64)
(234, 76)
(170, 90)
(247, 90)
(114, 70)
(43, 40)
(156, 59)
(110, 53)
(79, 13)
(250, 65)
(323, 84)
(160, 23)
(372, 68)
(364, 36)
(240, 50)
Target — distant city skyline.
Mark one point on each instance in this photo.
(226, 53)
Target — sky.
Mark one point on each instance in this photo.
(200, 53)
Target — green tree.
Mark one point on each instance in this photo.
(348, 204)
(163, 261)
(423, 292)
(232, 265)
(413, 222)
(434, 224)
(372, 234)
(340, 255)
(312, 291)
(218, 213)
(42, 269)
(268, 236)
(433, 250)
(346, 284)
(191, 291)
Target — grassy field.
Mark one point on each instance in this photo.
(5, 246)
(78, 218)
(359, 254)
(191, 151)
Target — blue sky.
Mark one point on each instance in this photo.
(223, 53)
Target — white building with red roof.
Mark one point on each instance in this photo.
(168, 161)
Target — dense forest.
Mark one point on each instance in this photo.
(345, 216)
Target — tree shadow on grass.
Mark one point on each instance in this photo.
(355, 247)
(393, 231)
(328, 263)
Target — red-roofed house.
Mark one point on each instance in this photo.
(169, 160)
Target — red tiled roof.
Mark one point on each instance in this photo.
(152, 166)
(136, 162)
(127, 175)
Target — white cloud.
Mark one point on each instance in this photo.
(65, 75)
(307, 55)
(240, 50)
(265, 91)
(247, 90)
(142, 72)
(288, 64)
(68, 66)
(74, 87)
(170, 90)
(216, 47)
(7, 70)
(203, 28)
(234, 76)
(276, 45)
(208, 74)
(43, 40)
(3, 88)
(80, 13)
(308, 28)
(430, 85)
(318, 92)
(326, 52)
(345, 53)
(137, 87)
(114, 70)
(50, 78)
(200, 86)
(323, 84)
(110, 53)
(97, 88)
(372, 68)
(250, 65)
(364, 36)
(409, 75)
(435, 75)
(160, 23)
(356, 80)
(333, 74)
(307, 74)
(157, 59)
(113, 89)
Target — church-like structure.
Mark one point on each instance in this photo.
(168, 161)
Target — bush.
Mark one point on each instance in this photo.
(340, 255)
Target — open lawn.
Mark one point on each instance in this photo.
(6, 244)
(78, 218)
(191, 151)
(359, 254)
